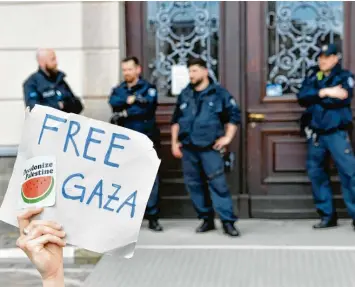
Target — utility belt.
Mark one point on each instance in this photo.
(227, 156)
(306, 119)
(119, 118)
(314, 134)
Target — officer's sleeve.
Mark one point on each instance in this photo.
(308, 94)
(72, 104)
(150, 99)
(144, 105)
(231, 111)
(31, 95)
(69, 93)
(118, 98)
(177, 111)
(348, 85)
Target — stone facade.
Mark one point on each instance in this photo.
(89, 38)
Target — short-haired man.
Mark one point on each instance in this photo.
(326, 94)
(134, 103)
(204, 122)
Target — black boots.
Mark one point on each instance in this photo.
(228, 228)
(207, 225)
(326, 223)
(154, 225)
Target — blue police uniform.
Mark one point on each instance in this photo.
(201, 117)
(140, 116)
(327, 123)
(42, 89)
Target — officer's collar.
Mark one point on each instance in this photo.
(59, 76)
(210, 88)
(141, 82)
(335, 70)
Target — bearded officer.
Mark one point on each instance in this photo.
(134, 103)
(48, 87)
(202, 112)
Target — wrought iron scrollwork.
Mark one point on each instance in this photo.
(296, 30)
(180, 30)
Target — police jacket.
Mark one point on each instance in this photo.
(140, 116)
(325, 115)
(42, 89)
(202, 115)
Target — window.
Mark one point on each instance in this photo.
(177, 31)
(296, 30)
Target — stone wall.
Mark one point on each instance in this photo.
(89, 38)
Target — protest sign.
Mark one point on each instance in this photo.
(93, 178)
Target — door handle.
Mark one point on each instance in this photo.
(256, 117)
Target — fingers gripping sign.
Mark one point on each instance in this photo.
(43, 243)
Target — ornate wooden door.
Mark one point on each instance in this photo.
(282, 42)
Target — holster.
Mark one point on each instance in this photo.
(305, 122)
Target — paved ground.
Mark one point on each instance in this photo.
(21, 274)
(17, 271)
(227, 268)
(269, 254)
(8, 235)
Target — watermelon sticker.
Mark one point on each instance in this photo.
(39, 181)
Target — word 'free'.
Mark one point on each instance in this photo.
(70, 141)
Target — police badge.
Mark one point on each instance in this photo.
(152, 92)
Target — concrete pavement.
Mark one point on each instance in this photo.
(254, 232)
(270, 253)
(25, 276)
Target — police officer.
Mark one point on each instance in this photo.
(326, 94)
(47, 86)
(134, 103)
(198, 135)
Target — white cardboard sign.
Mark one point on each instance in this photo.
(101, 175)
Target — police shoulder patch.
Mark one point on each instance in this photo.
(152, 92)
(183, 106)
(33, 95)
(351, 82)
(233, 102)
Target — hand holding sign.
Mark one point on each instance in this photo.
(90, 168)
(43, 243)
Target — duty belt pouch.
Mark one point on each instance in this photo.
(116, 119)
(304, 123)
(229, 161)
(349, 130)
